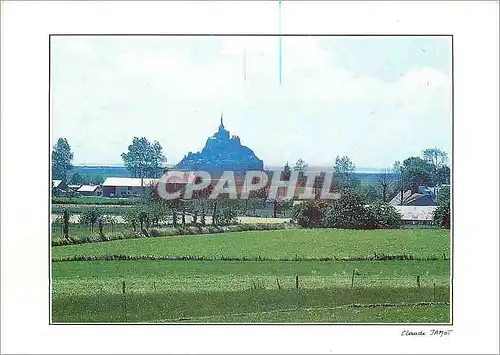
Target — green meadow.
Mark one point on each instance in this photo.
(278, 244)
(265, 291)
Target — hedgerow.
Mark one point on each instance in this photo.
(173, 231)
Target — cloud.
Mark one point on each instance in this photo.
(173, 89)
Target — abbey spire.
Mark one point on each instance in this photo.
(221, 122)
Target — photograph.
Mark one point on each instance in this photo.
(251, 179)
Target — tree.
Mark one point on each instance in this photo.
(383, 215)
(286, 173)
(300, 165)
(66, 224)
(436, 157)
(90, 216)
(347, 212)
(144, 159)
(343, 172)
(77, 179)
(257, 199)
(310, 213)
(442, 176)
(442, 213)
(384, 185)
(61, 159)
(415, 172)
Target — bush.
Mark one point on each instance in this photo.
(383, 215)
(226, 216)
(310, 214)
(348, 212)
(442, 215)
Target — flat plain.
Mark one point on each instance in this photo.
(301, 289)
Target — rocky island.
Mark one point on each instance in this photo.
(221, 153)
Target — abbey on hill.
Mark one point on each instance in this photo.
(222, 152)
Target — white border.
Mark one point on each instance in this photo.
(25, 29)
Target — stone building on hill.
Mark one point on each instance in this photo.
(222, 153)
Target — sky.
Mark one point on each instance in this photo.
(374, 99)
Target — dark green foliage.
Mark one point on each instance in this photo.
(170, 231)
(384, 215)
(348, 212)
(100, 223)
(76, 179)
(442, 214)
(61, 159)
(214, 213)
(310, 214)
(442, 176)
(416, 172)
(226, 216)
(286, 173)
(116, 257)
(66, 224)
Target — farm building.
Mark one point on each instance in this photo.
(422, 198)
(74, 187)
(125, 187)
(89, 190)
(59, 186)
(416, 215)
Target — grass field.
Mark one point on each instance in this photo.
(195, 276)
(381, 314)
(173, 306)
(304, 243)
(258, 291)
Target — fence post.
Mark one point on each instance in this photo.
(124, 301)
(352, 280)
(297, 282)
(278, 282)
(434, 292)
(418, 280)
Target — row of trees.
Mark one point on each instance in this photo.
(143, 159)
(349, 212)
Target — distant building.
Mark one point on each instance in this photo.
(89, 190)
(426, 196)
(222, 153)
(417, 215)
(59, 187)
(74, 187)
(125, 187)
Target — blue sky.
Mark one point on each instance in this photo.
(375, 99)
